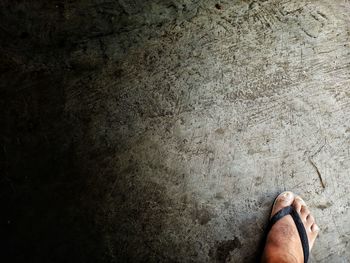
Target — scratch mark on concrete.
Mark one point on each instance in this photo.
(319, 149)
(318, 173)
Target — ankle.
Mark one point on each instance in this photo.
(273, 254)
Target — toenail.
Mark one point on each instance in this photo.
(299, 199)
(286, 196)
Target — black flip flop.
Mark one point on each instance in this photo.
(289, 210)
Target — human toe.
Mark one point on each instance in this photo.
(283, 200)
(298, 203)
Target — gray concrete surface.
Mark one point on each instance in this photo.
(197, 113)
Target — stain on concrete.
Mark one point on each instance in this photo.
(324, 206)
(222, 249)
(220, 131)
(202, 216)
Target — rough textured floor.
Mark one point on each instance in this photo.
(162, 130)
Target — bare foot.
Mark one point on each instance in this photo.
(283, 242)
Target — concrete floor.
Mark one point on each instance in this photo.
(186, 119)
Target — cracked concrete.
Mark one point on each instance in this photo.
(183, 120)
